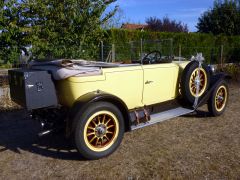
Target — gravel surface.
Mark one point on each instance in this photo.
(190, 147)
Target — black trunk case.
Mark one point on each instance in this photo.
(32, 89)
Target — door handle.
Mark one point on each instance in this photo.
(148, 82)
(29, 86)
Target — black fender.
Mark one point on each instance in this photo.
(214, 80)
(84, 101)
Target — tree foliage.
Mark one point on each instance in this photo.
(53, 29)
(166, 25)
(224, 18)
(13, 36)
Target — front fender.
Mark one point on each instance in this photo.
(215, 79)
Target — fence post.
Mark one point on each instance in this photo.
(171, 41)
(113, 53)
(180, 52)
(222, 57)
(102, 51)
(211, 57)
(132, 50)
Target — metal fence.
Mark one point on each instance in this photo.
(135, 50)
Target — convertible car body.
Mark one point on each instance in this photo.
(136, 86)
(97, 102)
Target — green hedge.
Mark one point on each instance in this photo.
(128, 45)
(190, 43)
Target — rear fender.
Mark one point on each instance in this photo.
(83, 102)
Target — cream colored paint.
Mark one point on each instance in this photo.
(127, 83)
(159, 83)
(123, 82)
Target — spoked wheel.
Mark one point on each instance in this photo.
(218, 101)
(98, 130)
(101, 130)
(221, 98)
(193, 77)
(196, 80)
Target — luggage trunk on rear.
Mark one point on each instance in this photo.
(32, 89)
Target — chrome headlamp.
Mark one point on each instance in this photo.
(212, 69)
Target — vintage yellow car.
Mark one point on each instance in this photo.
(97, 102)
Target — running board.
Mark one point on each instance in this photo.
(163, 116)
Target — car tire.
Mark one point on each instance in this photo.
(188, 79)
(218, 99)
(98, 130)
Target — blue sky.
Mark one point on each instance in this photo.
(186, 11)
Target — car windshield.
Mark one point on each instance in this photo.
(148, 52)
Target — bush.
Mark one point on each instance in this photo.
(233, 70)
(6, 66)
(190, 43)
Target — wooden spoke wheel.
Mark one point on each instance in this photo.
(192, 78)
(98, 130)
(198, 78)
(101, 130)
(221, 98)
(218, 100)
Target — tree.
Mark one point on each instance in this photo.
(223, 18)
(69, 28)
(12, 31)
(54, 29)
(166, 25)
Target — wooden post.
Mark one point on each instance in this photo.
(102, 51)
(212, 57)
(180, 52)
(113, 53)
(221, 57)
(171, 53)
(132, 51)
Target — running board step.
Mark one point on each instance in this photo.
(163, 116)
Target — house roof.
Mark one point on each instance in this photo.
(134, 26)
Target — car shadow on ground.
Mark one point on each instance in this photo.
(20, 133)
(198, 114)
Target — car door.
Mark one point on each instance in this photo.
(160, 82)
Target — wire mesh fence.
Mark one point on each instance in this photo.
(121, 52)
(136, 50)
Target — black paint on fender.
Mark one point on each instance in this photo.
(215, 79)
(86, 100)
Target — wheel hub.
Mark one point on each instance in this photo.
(220, 98)
(197, 82)
(101, 130)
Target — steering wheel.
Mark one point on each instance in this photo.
(152, 57)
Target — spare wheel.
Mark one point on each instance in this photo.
(190, 80)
